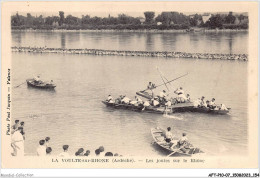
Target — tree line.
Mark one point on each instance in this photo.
(165, 20)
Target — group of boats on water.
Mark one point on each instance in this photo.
(164, 104)
(161, 104)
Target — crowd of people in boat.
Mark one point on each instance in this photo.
(162, 99)
(202, 103)
(242, 57)
(38, 81)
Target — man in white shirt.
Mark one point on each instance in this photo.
(212, 104)
(156, 102)
(41, 150)
(37, 79)
(18, 142)
(181, 95)
(163, 94)
(125, 100)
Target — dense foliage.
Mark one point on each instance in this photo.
(165, 20)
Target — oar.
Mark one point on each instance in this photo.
(171, 153)
(19, 85)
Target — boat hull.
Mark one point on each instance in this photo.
(158, 135)
(177, 108)
(30, 83)
(150, 109)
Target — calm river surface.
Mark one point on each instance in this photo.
(73, 114)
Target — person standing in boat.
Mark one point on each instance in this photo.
(151, 86)
(168, 105)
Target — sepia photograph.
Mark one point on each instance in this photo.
(129, 84)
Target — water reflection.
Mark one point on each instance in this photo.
(215, 42)
(63, 40)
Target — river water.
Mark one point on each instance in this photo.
(73, 114)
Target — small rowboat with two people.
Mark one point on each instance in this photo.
(40, 85)
(173, 149)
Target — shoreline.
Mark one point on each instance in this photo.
(201, 30)
(166, 54)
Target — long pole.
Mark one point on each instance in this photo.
(168, 81)
(19, 85)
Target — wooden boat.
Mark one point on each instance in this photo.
(177, 108)
(158, 135)
(210, 111)
(43, 85)
(151, 109)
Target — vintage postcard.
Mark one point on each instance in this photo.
(129, 85)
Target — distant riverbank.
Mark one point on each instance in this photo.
(200, 30)
(239, 57)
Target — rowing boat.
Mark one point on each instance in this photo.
(42, 85)
(210, 111)
(177, 108)
(158, 135)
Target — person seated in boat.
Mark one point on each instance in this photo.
(110, 99)
(207, 103)
(181, 96)
(133, 102)
(202, 102)
(223, 107)
(156, 102)
(183, 140)
(139, 101)
(212, 104)
(146, 104)
(37, 80)
(197, 103)
(125, 100)
(168, 135)
(188, 97)
(118, 100)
